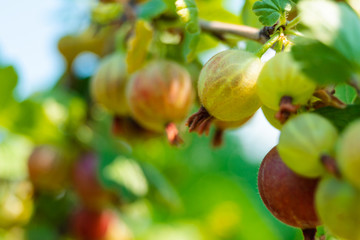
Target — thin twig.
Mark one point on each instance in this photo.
(239, 30)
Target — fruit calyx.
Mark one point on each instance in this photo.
(309, 233)
(286, 109)
(330, 165)
(200, 121)
(172, 134)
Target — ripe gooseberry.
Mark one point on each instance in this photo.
(87, 184)
(304, 140)
(348, 153)
(90, 224)
(109, 83)
(48, 169)
(288, 196)
(337, 204)
(281, 85)
(159, 95)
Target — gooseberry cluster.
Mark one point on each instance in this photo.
(151, 100)
(311, 177)
(89, 215)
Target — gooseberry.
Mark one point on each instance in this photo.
(109, 83)
(227, 85)
(337, 204)
(159, 95)
(87, 184)
(48, 168)
(287, 195)
(348, 153)
(281, 85)
(304, 140)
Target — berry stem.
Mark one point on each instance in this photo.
(328, 99)
(309, 234)
(293, 23)
(173, 134)
(286, 109)
(268, 44)
(330, 165)
(218, 137)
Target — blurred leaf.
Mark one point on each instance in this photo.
(248, 17)
(340, 117)
(206, 11)
(8, 81)
(105, 13)
(188, 12)
(321, 63)
(189, 46)
(138, 46)
(151, 9)
(207, 42)
(270, 11)
(157, 180)
(29, 118)
(252, 46)
(215, 195)
(355, 4)
(128, 173)
(13, 163)
(345, 93)
(333, 24)
(41, 231)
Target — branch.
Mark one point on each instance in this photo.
(219, 28)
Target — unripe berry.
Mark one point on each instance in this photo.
(281, 77)
(304, 140)
(348, 153)
(109, 83)
(337, 203)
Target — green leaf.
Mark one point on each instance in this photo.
(248, 16)
(138, 46)
(334, 24)
(188, 12)
(8, 81)
(345, 93)
(340, 117)
(151, 9)
(321, 63)
(271, 11)
(189, 45)
(127, 172)
(206, 12)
